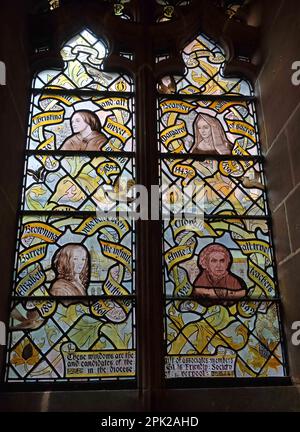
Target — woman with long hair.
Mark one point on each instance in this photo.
(71, 264)
(87, 136)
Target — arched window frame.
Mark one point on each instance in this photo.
(155, 376)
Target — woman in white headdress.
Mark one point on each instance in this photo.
(210, 137)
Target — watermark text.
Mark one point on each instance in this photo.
(296, 333)
(2, 73)
(296, 74)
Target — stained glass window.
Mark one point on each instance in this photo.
(221, 297)
(53, 4)
(72, 309)
(72, 314)
(169, 9)
(119, 7)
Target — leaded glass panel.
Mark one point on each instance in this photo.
(241, 341)
(231, 127)
(56, 341)
(77, 183)
(212, 187)
(57, 123)
(221, 296)
(72, 314)
(205, 61)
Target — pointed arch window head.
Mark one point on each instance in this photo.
(73, 300)
(204, 72)
(83, 57)
(169, 9)
(221, 295)
(82, 87)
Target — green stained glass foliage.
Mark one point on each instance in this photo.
(222, 302)
(242, 341)
(72, 312)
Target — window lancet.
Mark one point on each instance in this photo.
(221, 294)
(72, 307)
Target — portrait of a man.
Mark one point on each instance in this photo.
(209, 136)
(71, 265)
(216, 282)
(87, 136)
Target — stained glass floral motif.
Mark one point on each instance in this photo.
(77, 183)
(241, 341)
(83, 341)
(212, 187)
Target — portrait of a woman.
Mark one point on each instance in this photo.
(71, 264)
(210, 137)
(87, 136)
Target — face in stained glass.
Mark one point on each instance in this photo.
(213, 127)
(74, 256)
(86, 132)
(209, 252)
(81, 123)
(215, 281)
(225, 271)
(71, 264)
(221, 312)
(72, 312)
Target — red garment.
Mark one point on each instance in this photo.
(228, 286)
